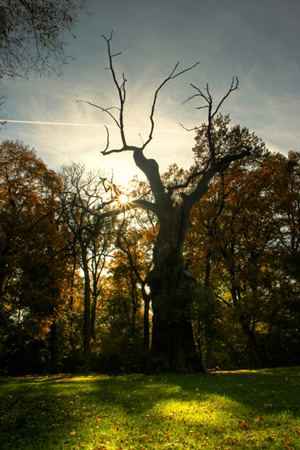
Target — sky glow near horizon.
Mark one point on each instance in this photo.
(258, 41)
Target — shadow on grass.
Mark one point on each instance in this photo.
(40, 412)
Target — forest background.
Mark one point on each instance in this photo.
(76, 250)
(242, 249)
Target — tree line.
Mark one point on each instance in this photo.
(75, 262)
(198, 268)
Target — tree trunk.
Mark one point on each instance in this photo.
(146, 298)
(173, 347)
(236, 298)
(87, 311)
(53, 348)
(95, 295)
(251, 342)
(93, 317)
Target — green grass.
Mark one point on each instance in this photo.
(219, 410)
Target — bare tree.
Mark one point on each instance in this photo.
(173, 345)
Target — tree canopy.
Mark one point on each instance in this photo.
(32, 35)
(72, 286)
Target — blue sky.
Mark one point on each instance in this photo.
(258, 41)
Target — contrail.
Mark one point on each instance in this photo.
(35, 122)
(52, 123)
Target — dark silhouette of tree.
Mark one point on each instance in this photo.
(173, 345)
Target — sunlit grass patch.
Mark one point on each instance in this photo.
(222, 410)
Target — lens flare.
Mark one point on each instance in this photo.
(123, 199)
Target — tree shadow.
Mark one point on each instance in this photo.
(57, 406)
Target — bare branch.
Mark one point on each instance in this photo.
(200, 94)
(172, 75)
(122, 149)
(116, 54)
(194, 175)
(144, 204)
(209, 99)
(107, 139)
(187, 129)
(209, 104)
(233, 87)
(105, 110)
(120, 88)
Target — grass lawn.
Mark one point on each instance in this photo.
(220, 410)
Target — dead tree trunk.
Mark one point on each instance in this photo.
(173, 346)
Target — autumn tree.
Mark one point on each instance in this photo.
(32, 35)
(32, 264)
(236, 243)
(135, 244)
(173, 346)
(120, 345)
(229, 235)
(286, 187)
(279, 337)
(86, 200)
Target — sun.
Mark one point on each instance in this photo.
(123, 199)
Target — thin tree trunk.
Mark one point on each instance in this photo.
(207, 291)
(146, 299)
(93, 317)
(53, 347)
(236, 298)
(87, 311)
(251, 342)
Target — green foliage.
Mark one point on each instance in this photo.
(238, 409)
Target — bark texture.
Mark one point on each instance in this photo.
(173, 347)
